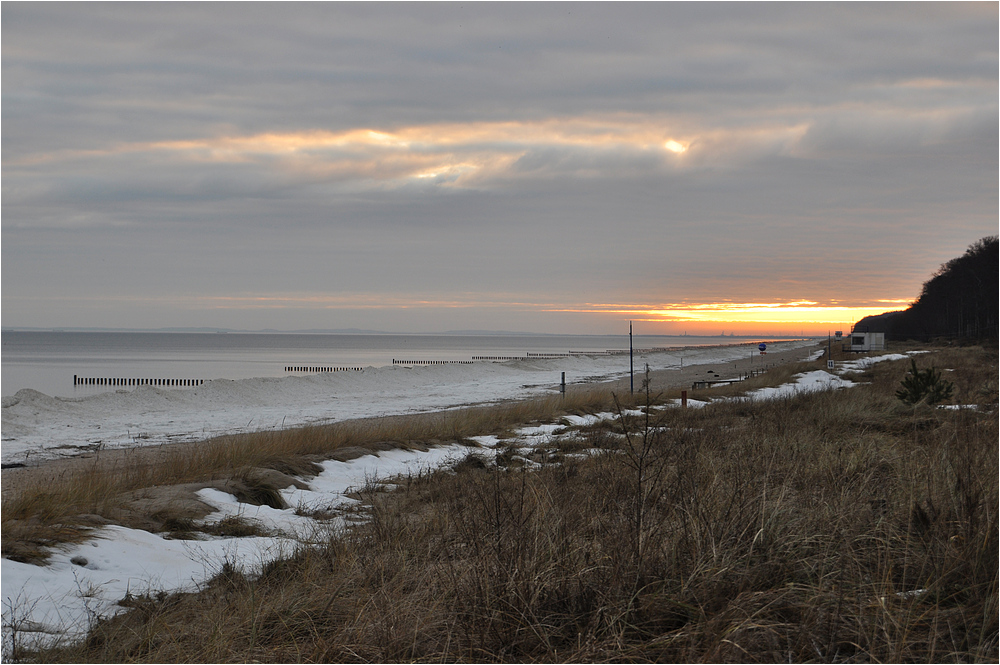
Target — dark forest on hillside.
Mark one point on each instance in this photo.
(958, 302)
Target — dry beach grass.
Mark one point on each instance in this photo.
(152, 487)
(832, 526)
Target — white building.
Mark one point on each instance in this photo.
(867, 341)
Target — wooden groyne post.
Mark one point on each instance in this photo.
(122, 381)
(432, 362)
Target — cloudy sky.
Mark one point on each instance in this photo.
(748, 168)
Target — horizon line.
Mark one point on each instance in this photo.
(366, 331)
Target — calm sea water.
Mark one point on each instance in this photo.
(47, 361)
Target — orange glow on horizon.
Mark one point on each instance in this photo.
(788, 318)
(749, 317)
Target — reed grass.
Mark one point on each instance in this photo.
(839, 526)
(54, 510)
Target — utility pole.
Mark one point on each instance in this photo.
(631, 371)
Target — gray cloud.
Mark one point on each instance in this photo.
(184, 151)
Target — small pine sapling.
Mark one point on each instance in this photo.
(924, 385)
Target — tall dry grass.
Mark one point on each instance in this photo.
(829, 527)
(48, 511)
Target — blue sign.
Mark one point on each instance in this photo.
(762, 346)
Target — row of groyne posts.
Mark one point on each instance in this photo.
(107, 381)
(314, 369)
(481, 359)
(527, 356)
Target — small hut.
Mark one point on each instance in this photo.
(866, 341)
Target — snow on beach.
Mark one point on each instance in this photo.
(60, 600)
(823, 380)
(804, 383)
(36, 426)
(81, 582)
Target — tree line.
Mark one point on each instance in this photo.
(960, 301)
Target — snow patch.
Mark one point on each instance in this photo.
(81, 582)
(804, 383)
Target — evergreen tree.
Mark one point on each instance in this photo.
(924, 385)
(959, 301)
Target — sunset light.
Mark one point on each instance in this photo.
(374, 154)
(674, 146)
(786, 318)
(743, 318)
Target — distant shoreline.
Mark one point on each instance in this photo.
(775, 337)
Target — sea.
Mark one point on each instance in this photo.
(70, 392)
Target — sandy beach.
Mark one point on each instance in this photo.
(684, 378)
(55, 470)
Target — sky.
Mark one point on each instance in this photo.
(554, 168)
